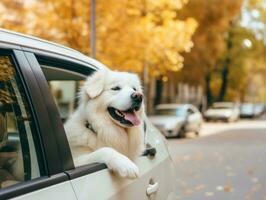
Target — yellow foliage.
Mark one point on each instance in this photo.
(130, 34)
(6, 74)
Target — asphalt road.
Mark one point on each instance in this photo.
(227, 162)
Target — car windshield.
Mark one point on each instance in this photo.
(170, 111)
(246, 105)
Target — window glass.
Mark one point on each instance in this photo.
(18, 159)
(171, 111)
(64, 86)
(64, 95)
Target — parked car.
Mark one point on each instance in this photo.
(39, 81)
(247, 110)
(177, 119)
(259, 109)
(226, 111)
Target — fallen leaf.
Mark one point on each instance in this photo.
(219, 188)
(198, 156)
(208, 194)
(228, 187)
(200, 187)
(250, 172)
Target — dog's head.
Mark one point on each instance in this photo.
(116, 94)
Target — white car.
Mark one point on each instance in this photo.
(226, 111)
(259, 109)
(247, 110)
(177, 119)
(38, 85)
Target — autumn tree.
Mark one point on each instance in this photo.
(138, 36)
(143, 36)
(130, 34)
(254, 14)
(255, 67)
(143, 33)
(13, 15)
(215, 18)
(246, 54)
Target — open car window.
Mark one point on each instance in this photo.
(64, 85)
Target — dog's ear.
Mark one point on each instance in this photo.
(95, 83)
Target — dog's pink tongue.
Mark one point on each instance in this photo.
(132, 117)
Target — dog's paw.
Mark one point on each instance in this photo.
(123, 167)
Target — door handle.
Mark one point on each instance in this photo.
(152, 188)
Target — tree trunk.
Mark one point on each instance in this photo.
(208, 89)
(225, 70)
(158, 92)
(224, 73)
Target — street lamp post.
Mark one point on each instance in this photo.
(93, 28)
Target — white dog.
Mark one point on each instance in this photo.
(108, 123)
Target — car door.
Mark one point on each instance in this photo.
(155, 180)
(94, 181)
(28, 169)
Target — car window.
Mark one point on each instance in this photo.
(64, 86)
(18, 154)
(170, 111)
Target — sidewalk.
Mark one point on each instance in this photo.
(218, 127)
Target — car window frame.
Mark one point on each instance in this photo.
(36, 61)
(58, 136)
(48, 176)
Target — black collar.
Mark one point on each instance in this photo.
(89, 126)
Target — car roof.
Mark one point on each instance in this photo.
(30, 43)
(173, 106)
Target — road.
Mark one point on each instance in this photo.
(227, 162)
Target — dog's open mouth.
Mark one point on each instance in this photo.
(128, 117)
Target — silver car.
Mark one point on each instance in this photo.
(247, 110)
(177, 119)
(226, 111)
(39, 82)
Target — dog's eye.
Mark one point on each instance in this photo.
(134, 89)
(116, 88)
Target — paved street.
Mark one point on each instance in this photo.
(227, 162)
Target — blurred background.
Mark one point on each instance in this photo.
(196, 51)
(203, 67)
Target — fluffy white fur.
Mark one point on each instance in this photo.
(114, 144)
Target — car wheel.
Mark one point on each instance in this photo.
(197, 133)
(182, 132)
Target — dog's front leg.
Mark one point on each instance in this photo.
(114, 160)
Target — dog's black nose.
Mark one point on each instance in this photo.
(137, 97)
